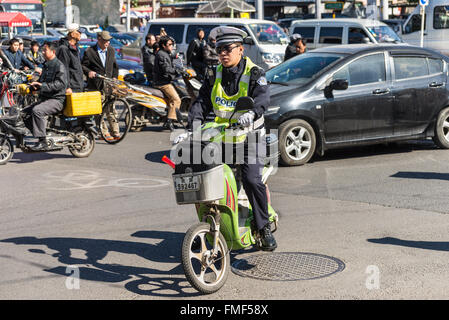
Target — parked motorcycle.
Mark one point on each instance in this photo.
(222, 206)
(75, 133)
(149, 105)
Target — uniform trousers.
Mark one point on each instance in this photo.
(251, 168)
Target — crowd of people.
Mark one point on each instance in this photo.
(158, 54)
(61, 71)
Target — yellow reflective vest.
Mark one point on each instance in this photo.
(223, 104)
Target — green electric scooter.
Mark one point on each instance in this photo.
(221, 203)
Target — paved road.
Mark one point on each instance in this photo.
(113, 218)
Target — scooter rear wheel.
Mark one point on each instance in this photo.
(6, 150)
(86, 144)
(205, 273)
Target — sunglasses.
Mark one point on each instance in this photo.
(226, 49)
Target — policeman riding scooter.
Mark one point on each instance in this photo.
(235, 78)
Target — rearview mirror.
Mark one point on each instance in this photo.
(337, 84)
(244, 103)
(248, 41)
(366, 40)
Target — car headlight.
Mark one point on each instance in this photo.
(272, 58)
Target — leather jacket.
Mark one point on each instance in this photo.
(164, 71)
(54, 80)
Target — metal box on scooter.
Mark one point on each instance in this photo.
(196, 187)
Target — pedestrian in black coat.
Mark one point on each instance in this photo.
(149, 56)
(100, 58)
(68, 54)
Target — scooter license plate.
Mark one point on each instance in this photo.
(183, 184)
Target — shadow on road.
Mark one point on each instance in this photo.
(22, 157)
(141, 280)
(428, 245)
(421, 175)
(375, 150)
(157, 156)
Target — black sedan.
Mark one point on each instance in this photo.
(349, 95)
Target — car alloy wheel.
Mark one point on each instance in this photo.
(441, 137)
(297, 142)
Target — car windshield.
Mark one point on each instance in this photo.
(302, 68)
(268, 33)
(384, 34)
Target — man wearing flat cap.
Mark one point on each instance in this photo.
(237, 76)
(68, 54)
(100, 59)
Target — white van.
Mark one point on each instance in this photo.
(436, 27)
(265, 44)
(327, 32)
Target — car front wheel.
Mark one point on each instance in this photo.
(297, 142)
(441, 137)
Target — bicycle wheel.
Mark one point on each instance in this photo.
(115, 120)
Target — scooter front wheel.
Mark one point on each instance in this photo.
(6, 149)
(205, 269)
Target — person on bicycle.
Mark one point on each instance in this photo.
(51, 85)
(100, 58)
(68, 54)
(237, 76)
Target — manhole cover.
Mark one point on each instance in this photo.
(287, 266)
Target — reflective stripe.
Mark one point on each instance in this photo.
(226, 114)
(245, 78)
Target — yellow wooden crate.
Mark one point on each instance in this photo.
(83, 104)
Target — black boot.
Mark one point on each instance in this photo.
(169, 125)
(41, 145)
(267, 241)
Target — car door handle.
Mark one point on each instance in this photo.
(436, 84)
(381, 91)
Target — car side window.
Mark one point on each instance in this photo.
(356, 35)
(414, 24)
(368, 69)
(174, 30)
(410, 67)
(193, 29)
(332, 35)
(441, 17)
(435, 66)
(307, 33)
